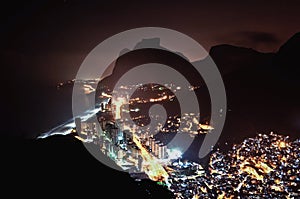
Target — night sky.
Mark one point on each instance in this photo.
(45, 42)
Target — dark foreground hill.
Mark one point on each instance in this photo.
(61, 166)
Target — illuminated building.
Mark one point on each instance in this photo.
(117, 107)
(114, 132)
(156, 147)
(152, 144)
(162, 151)
(127, 136)
(98, 129)
(78, 124)
(120, 154)
(134, 152)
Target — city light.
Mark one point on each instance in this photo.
(265, 166)
(117, 103)
(152, 167)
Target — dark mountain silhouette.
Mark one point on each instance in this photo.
(262, 92)
(287, 60)
(230, 58)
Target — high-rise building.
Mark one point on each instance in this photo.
(98, 129)
(120, 154)
(152, 144)
(162, 151)
(156, 146)
(127, 135)
(78, 124)
(101, 141)
(134, 152)
(114, 135)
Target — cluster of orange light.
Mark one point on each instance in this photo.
(223, 196)
(103, 94)
(159, 99)
(88, 89)
(250, 164)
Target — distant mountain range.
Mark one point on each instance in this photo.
(262, 88)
